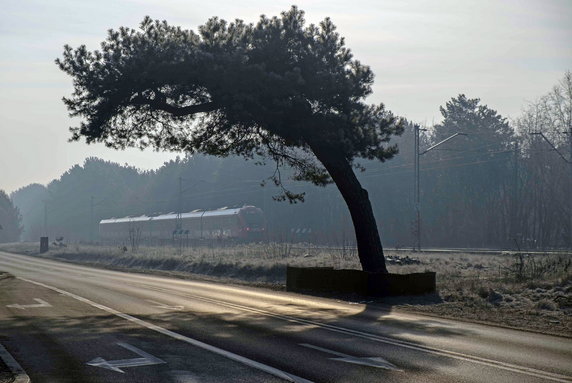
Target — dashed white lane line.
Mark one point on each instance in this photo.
(392, 341)
(165, 307)
(227, 354)
(373, 337)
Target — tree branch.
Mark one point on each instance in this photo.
(159, 104)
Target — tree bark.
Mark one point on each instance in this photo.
(370, 251)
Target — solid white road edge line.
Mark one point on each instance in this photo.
(378, 338)
(395, 342)
(227, 354)
(20, 375)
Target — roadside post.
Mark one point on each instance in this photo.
(44, 244)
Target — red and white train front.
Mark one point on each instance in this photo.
(252, 223)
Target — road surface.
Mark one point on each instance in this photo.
(65, 322)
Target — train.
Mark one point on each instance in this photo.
(246, 223)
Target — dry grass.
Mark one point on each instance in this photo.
(532, 291)
(517, 290)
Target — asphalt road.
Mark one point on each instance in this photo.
(66, 322)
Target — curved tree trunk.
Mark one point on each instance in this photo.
(369, 246)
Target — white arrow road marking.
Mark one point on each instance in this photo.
(41, 303)
(114, 365)
(387, 340)
(227, 354)
(166, 307)
(371, 361)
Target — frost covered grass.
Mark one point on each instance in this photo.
(517, 290)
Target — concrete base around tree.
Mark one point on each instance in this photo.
(359, 282)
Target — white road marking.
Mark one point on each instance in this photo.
(166, 307)
(377, 338)
(395, 342)
(41, 303)
(371, 361)
(115, 365)
(18, 372)
(227, 354)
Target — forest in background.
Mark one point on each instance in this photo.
(501, 185)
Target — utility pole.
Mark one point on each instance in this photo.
(91, 219)
(180, 207)
(570, 183)
(416, 191)
(418, 155)
(569, 162)
(514, 205)
(45, 218)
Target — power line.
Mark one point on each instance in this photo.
(385, 173)
(447, 159)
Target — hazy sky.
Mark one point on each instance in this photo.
(423, 52)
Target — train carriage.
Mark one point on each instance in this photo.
(245, 223)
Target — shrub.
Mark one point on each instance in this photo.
(545, 304)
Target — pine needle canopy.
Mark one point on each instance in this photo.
(277, 88)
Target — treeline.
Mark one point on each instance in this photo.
(499, 184)
(10, 219)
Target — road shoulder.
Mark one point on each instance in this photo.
(10, 369)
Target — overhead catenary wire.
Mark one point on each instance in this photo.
(241, 190)
(441, 164)
(409, 166)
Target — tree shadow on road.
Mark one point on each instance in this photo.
(289, 337)
(277, 340)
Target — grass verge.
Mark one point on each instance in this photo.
(532, 292)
